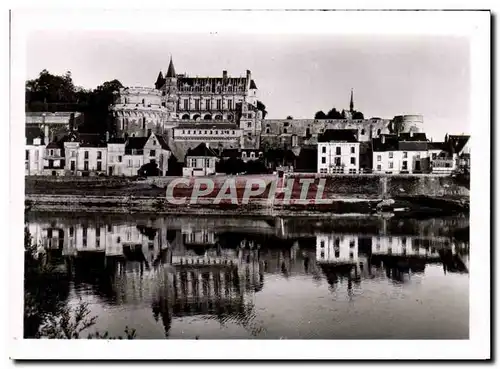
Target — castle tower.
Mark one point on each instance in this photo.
(160, 81)
(170, 91)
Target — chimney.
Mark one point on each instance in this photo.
(46, 135)
(249, 75)
(224, 74)
(383, 139)
(107, 136)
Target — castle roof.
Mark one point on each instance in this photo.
(171, 69)
(388, 143)
(458, 142)
(160, 81)
(253, 86)
(162, 142)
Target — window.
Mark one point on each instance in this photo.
(152, 152)
(418, 155)
(118, 239)
(337, 150)
(323, 160)
(352, 244)
(230, 104)
(391, 165)
(323, 150)
(244, 155)
(51, 152)
(119, 158)
(219, 104)
(285, 130)
(322, 243)
(27, 155)
(353, 161)
(186, 104)
(207, 163)
(154, 142)
(99, 166)
(353, 150)
(84, 232)
(252, 155)
(379, 157)
(405, 165)
(362, 131)
(130, 163)
(249, 124)
(207, 104)
(86, 155)
(86, 165)
(390, 154)
(99, 155)
(379, 167)
(98, 232)
(405, 154)
(193, 163)
(434, 155)
(337, 162)
(196, 104)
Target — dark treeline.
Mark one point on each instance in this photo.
(335, 114)
(53, 93)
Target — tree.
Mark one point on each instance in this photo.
(320, 115)
(334, 114)
(149, 170)
(357, 115)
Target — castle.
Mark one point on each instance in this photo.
(225, 111)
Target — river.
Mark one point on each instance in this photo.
(264, 278)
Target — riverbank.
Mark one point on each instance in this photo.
(368, 195)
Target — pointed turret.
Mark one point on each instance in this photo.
(351, 104)
(160, 81)
(171, 69)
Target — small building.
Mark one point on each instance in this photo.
(338, 152)
(200, 161)
(406, 154)
(116, 153)
(54, 159)
(143, 150)
(86, 154)
(34, 152)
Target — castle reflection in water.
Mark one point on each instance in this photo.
(215, 267)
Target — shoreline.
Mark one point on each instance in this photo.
(408, 206)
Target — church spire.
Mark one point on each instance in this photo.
(160, 81)
(351, 104)
(171, 69)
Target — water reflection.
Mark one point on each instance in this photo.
(215, 268)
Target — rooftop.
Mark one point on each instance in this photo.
(338, 135)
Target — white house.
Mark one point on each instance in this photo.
(200, 161)
(34, 152)
(86, 154)
(143, 150)
(116, 154)
(407, 153)
(54, 159)
(338, 151)
(337, 248)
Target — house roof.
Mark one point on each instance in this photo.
(162, 142)
(253, 86)
(55, 145)
(32, 133)
(339, 135)
(437, 146)
(116, 140)
(412, 146)
(390, 143)
(412, 136)
(458, 142)
(85, 139)
(201, 150)
(136, 143)
(236, 153)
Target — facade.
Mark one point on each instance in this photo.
(54, 125)
(338, 152)
(178, 98)
(116, 154)
(34, 152)
(200, 161)
(208, 132)
(86, 154)
(403, 154)
(337, 248)
(143, 150)
(54, 159)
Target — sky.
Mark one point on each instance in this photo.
(296, 75)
